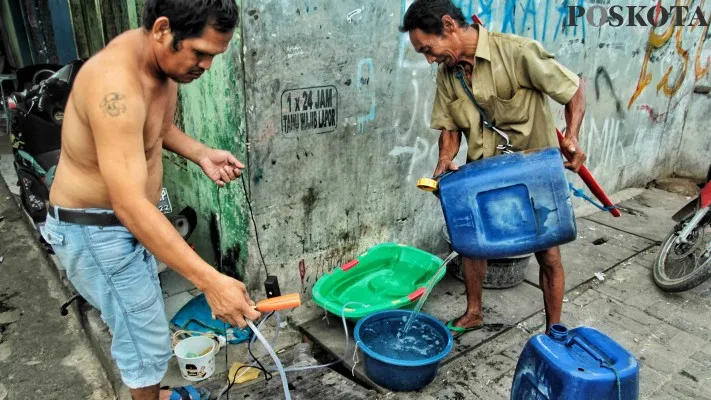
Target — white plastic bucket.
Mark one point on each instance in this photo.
(196, 357)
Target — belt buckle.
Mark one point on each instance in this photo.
(52, 211)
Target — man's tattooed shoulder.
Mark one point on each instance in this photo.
(113, 104)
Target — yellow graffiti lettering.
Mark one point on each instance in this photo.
(664, 83)
(644, 79)
(655, 41)
(700, 72)
(658, 40)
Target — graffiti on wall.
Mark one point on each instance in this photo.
(365, 75)
(532, 22)
(602, 80)
(422, 151)
(674, 76)
(605, 139)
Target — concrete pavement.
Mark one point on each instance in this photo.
(48, 356)
(669, 334)
(43, 355)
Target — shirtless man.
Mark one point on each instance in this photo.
(102, 221)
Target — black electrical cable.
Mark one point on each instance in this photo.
(249, 349)
(221, 269)
(256, 229)
(267, 375)
(249, 204)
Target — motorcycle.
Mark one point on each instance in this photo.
(684, 259)
(37, 114)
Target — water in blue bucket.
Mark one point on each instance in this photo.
(387, 338)
(402, 361)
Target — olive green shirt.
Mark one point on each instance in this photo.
(510, 80)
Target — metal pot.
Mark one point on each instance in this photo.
(501, 273)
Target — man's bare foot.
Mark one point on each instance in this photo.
(469, 320)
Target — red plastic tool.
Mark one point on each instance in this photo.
(347, 266)
(587, 177)
(416, 294)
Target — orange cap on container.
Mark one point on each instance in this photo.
(427, 184)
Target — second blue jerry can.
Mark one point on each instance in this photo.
(508, 205)
(576, 364)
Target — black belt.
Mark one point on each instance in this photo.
(83, 218)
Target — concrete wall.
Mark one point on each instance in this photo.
(211, 109)
(323, 194)
(694, 155)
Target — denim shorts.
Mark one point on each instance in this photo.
(117, 275)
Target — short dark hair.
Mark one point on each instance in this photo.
(427, 15)
(188, 18)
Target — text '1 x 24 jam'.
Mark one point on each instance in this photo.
(313, 110)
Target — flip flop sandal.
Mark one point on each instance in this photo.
(459, 331)
(188, 393)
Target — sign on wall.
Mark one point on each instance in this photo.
(309, 110)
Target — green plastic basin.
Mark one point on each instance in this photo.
(385, 277)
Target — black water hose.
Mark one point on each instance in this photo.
(64, 310)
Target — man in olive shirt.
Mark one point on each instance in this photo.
(510, 78)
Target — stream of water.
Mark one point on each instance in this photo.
(428, 289)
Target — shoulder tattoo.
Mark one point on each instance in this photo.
(113, 104)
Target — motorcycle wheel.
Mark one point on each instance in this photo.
(681, 266)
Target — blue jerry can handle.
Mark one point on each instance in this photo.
(595, 354)
(443, 174)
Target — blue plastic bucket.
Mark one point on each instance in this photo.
(402, 375)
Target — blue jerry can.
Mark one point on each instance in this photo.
(508, 205)
(576, 364)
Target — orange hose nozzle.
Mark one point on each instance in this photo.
(279, 303)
